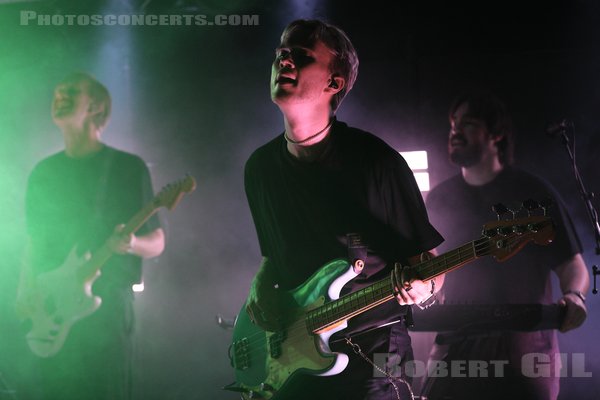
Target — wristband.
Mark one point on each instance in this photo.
(428, 302)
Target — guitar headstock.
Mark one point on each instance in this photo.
(503, 239)
(172, 193)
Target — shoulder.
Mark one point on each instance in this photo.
(521, 174)
(368, 147)
(442, 189)
(526, 179)
(263, 156)
(48, 164)
(122, 155)
(364, 140)
(124, 158)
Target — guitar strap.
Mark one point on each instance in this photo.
(102, 189)
(97, 201)
(102, 192)
(357, 249)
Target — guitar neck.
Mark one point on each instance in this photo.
(353, 304)
(104, 253)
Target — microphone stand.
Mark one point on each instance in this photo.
(585, 195)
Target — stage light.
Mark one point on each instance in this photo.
(138, 287)
(417, 161)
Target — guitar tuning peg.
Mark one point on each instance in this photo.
(499, 209)
(530, 205)
(514, 208)
(546, 204)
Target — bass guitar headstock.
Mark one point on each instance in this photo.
(172, 193)
(504, 238)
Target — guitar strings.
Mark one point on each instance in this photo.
(483, 248)
(296, 332)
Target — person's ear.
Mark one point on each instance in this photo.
(336, 83)
(95, 108)
(496, 137)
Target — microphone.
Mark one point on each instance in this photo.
(557, 128)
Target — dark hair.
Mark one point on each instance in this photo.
(345, 62)
(487, 107)
(97, 92)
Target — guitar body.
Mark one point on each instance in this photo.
(57, 299)
(265, 362)
(61, 298)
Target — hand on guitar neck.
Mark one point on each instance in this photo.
(122, 243)
(409, 288)
(265, 358)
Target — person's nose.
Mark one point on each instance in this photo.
(286, 61)
(61, 92)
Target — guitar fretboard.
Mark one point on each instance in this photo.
(101, 256)
(381, 291)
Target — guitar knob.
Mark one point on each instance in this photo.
(504, 230)
(518, 229)
(532, 228)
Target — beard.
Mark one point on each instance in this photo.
(466, 156)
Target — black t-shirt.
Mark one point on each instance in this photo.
(460, 210)
(77, 202)
(354, 183)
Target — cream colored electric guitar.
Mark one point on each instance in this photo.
(59, 298)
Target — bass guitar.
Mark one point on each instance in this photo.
(59, 298)
(265, 362)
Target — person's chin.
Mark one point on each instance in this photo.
(280, 95)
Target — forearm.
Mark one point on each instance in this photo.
(148, 245)
(264, 276)
(267, 305)
(574, 284)
(573, 275)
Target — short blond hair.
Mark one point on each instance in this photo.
(345, 61)
(97, 92)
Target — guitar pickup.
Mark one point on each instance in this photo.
(275, 341)
(241, 358)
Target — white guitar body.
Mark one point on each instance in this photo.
(266, 360)
(61, 298)
(341, 359)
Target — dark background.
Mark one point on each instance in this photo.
(195, 99)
